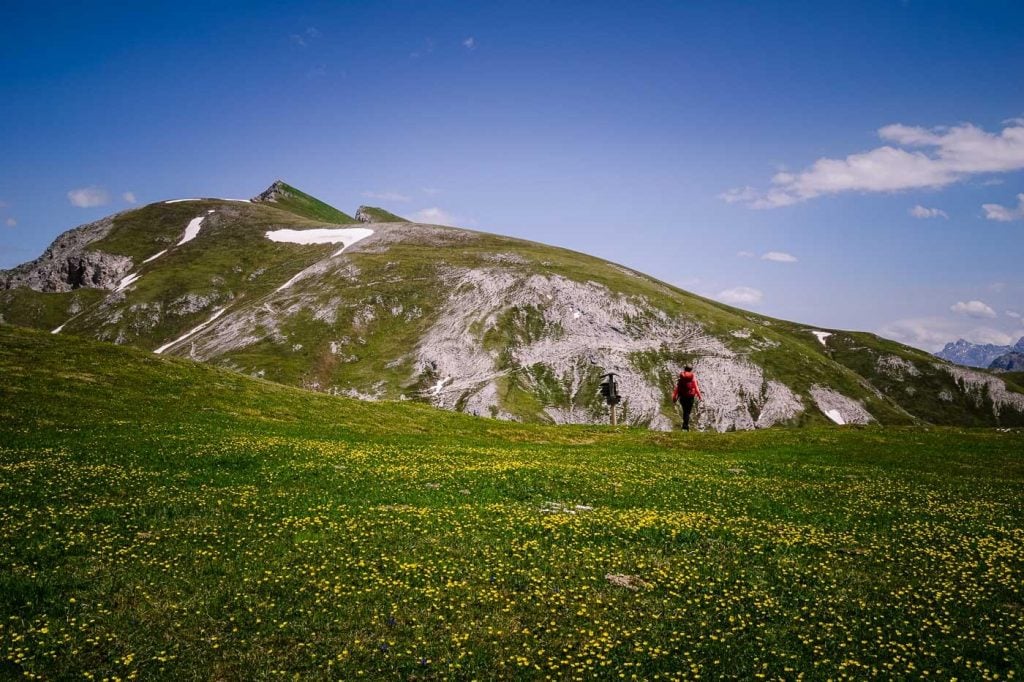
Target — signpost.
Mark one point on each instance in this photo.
(610, 391)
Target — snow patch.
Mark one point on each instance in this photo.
(178, 201)
(346, 236)
(155, 256)
(436, 389)
(57, 330)
(126, 281)
(835, 416)
(192, 229)
(838, 407)
(190, 332)
(822, 336)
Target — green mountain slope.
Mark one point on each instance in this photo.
(465, 320)
(284, 196)
(164, 519)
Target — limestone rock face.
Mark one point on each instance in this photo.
(69, 264)
(364, 215)
(275, 192)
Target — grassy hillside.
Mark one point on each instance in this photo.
(481, 323)
(294, 200)
(379, 215)
(169, 520)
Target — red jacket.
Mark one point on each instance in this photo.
(687, 385)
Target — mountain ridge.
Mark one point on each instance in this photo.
(963, 352)
(468, 321)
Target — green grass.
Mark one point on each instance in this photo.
(298, 202)
(170, 520)
(381, 216)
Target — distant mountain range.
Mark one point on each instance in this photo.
(288, 288)
(969, 354)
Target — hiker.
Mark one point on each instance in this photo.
(686, 392)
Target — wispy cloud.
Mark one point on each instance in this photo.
(11, 222)
(433, 216)
(428, 47)
(779, 257)
(920, 211)
(387, 196)
(88, 197)
(129, 198)
(745, 254)
(305, 37)
(469, 43)
(973, 309)
(430, 191)
(741, 296)
(1005, 214)
(1013, 313)
(932, 333)
(916, 158)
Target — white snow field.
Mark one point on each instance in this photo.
(192, 229)
(190, 332)
(155, 256)
(835, 416)
(346, 236)
(822, 336)
(127, 280)
(178, 201)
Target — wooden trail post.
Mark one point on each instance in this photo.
(610, 391)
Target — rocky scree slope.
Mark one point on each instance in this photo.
(285, 287)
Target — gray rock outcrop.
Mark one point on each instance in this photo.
(277, 191)
(1009, 362)
(68, 264)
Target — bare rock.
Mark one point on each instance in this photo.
(68, 264)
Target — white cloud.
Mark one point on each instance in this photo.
(921, 158)
(920, 211)
(932, 333)
(779, 257)
(129, 197)
(1003, 213)
(386, 196)
(88, 197)
(469, 43)
(11, 222)
(745, 254)
(973, 309)
(301, 39)
(433, 216)
(1014, 314)
(740, 296)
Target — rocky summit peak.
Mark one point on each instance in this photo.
(372, 214)
(277, 190)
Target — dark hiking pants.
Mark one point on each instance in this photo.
(687, 402)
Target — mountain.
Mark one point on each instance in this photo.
(969, 354)
(288, 288)
(1009, 362)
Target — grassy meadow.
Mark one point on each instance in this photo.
(161, 519)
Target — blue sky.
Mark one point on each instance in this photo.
(688, 140)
